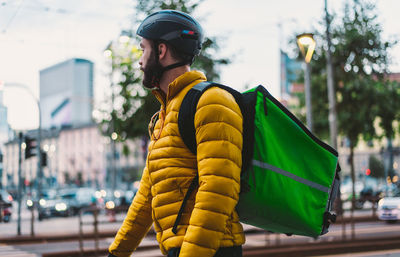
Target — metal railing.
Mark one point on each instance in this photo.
(95, 211)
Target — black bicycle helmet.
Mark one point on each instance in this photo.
(176, 28)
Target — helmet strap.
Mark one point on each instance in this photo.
(158, 75)
(172, 66)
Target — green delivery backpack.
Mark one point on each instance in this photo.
(289, 177)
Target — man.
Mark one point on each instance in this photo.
(209, 225)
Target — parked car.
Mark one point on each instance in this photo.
(368, 194)
(118, 201)
(77, 199)
(51, 204)
(346, 189)
(5, 205)
(389, 209)
(32, 200)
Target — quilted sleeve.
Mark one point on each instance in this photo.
(219, 129)
(137, 221)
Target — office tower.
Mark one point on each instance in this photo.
(66, 94)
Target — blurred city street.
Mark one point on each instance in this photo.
(59, 236)
(79, 122)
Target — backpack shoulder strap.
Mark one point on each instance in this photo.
(188, 108)
(187, 112)
(186, 129)
(188, 133)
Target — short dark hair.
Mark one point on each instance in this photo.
(175, 53)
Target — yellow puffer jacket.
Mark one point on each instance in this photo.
(209, 220)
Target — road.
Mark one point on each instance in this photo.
(54, 225)
(363, 230)
(70, 225)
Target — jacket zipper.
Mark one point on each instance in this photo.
(154, 139)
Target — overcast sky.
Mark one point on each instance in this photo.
(35, 34)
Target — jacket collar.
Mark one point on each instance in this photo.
(178, 84)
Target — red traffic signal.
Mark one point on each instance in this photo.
(367, 172)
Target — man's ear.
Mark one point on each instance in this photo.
(162, 50)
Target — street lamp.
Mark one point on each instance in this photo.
(306, 45)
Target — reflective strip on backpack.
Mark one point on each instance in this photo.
(290, 175)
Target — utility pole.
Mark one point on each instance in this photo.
(39, 159)
(332, 109)
(20, 137)
(330, 82)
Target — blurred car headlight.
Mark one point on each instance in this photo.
(117, 194)
(42, 202)
(110, 205)
(97, 194)
(61, 207)
(29, 203)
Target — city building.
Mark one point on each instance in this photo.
(75, 156)
(4, 130)
(4, 127)
(66, 94)
(77, 153)
(290, 72)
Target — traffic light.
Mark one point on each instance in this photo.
(367, 172)
(43, 158)
(30, 149)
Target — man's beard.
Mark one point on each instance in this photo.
(152, 72)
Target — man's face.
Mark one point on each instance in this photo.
(148, 64)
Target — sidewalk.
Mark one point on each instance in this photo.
(69, 226)
(387, 253)
(57, 242)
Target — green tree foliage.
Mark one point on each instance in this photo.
(376, 167)
(133, 105)
(147, 7)
(388, 106)
(388, 93)
(360, 60)
(129, 98)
